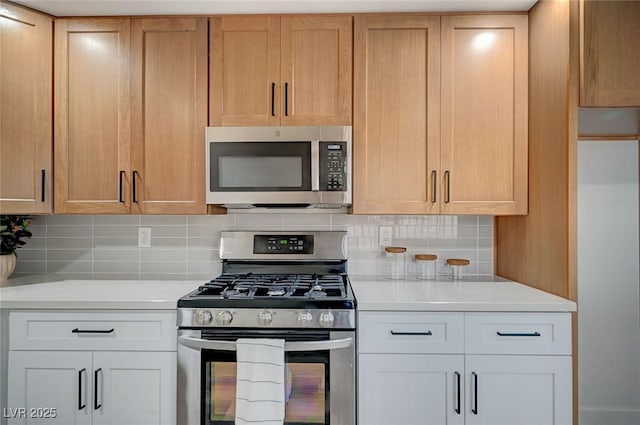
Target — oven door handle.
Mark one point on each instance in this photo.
(206, 344)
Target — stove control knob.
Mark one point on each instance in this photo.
(204, 317)
(304, 318)
(224, 318)
(265, 318)
(326, 319)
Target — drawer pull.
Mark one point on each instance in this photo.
(518, 334)
(427, 333)
(92, 331)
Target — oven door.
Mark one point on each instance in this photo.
(320, 381)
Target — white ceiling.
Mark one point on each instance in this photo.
(209, 7)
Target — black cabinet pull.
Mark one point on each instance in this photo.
(121, 196)
(458, 393)
(427, 333)
(434, 175)
(474, 409)
(286, 99)
(92, 331)
(80, 404)
(518, 334)
(273, 99)
(96, 405)
(447, 178)
(135, 188)
(43, 182)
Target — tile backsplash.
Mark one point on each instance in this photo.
(186, 247)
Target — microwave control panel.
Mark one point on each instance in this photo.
(333, 166)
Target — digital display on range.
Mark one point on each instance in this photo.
(283, 244)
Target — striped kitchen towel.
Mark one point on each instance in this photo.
(260, 381)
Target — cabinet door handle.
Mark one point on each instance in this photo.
(81, 405)
(447, 180)
(92, 331)
(121, 196)
(96, 405)
(286, 99)
(427, 333)
(434, 175)
(517, 334)
(474, 408)
(43, 182)
(458, 393)
(273, 99)
(135, 188)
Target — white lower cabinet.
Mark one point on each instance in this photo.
(518, 390)
(93, 386)
(398, 389)
(513, 369)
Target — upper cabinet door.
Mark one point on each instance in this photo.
(245, 71)
(25, 111)
(396, 121)
(92, 123)
(169, 115)
(610, 61)
(484, 114)
(316, 54)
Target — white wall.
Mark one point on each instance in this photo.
(608, 283)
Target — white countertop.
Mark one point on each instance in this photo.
(482, 293)
(93, 294)
(372, 294)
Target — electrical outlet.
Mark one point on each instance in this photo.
(144, 237)
(386, 235)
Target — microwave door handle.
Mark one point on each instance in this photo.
(205, 344)
(315, 165)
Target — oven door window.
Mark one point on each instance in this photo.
(260, 166)
(306, 388)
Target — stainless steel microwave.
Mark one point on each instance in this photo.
(279, 167)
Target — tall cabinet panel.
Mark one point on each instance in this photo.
(245, 71)
(396, 114)
(316, 62)
(25, 111)
(169, 115)
(484, 114)
(610, 62)
(92, 123)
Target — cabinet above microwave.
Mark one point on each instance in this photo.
(279, 167)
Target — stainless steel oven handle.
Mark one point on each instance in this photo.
(206, 344)
(315, 165)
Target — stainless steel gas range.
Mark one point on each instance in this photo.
(286, 285)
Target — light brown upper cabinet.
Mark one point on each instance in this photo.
(610, 62)
(484, 114)
(396, 121)
(130, 115)
(92, 123)
(25, 111)
(445, 137)
(272, 70)
(169, 115)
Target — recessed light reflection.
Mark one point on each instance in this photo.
(484, 40)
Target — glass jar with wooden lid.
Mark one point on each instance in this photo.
(426, 266)
(459, 267)
(395, 262)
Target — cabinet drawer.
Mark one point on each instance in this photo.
(121, 330)
(518, 333)
(404, 332)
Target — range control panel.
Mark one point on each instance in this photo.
(283, 244)
(333, 166)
